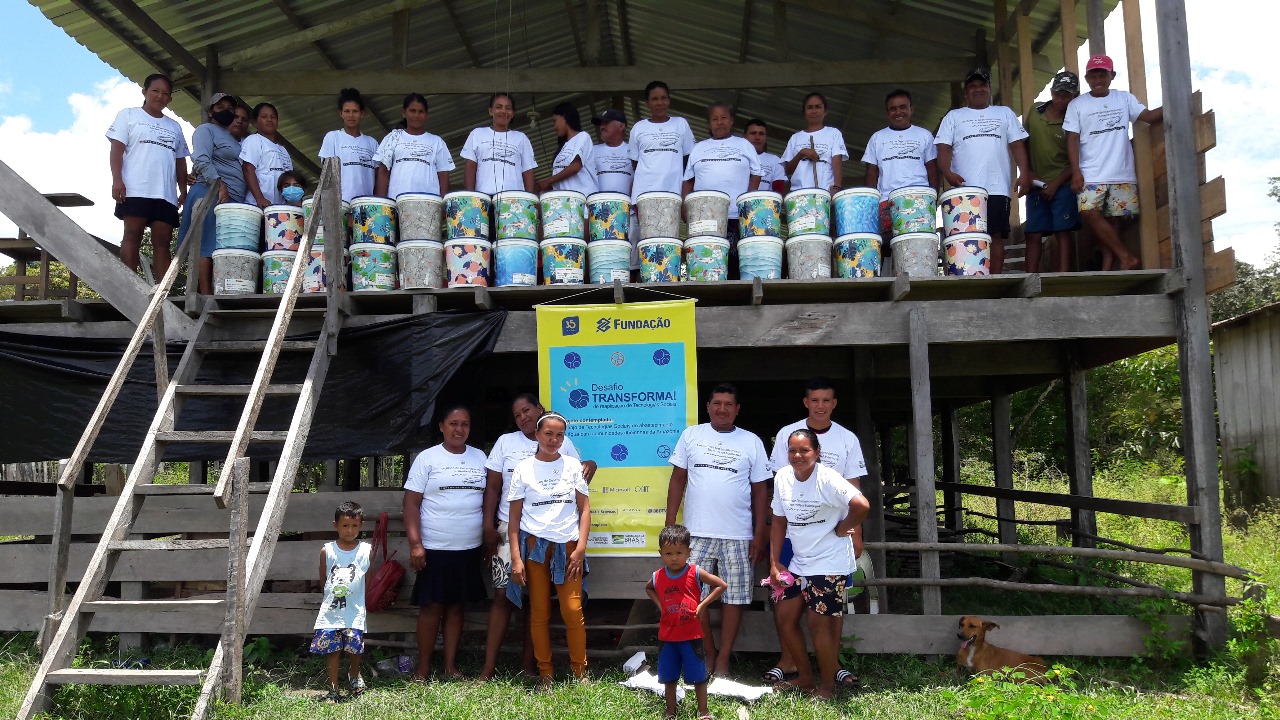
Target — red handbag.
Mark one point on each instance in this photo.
(383, 585)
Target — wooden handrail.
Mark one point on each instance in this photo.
(1207, 566)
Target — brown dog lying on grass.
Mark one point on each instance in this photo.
(982, 658)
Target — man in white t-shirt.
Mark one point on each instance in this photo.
(1102, 170)
(973, 150)
(613, 165)
(718, 473)
(773, 177)
(901, 155)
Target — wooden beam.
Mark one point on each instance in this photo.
(603, 79)
(400, 40)
(744, 45)
(591, 44)
(922, 457)
(1003, 92)
(1206, 134)
(572, 13)
(1219, 270)
(904, 22)
(1026, 69)
(462, 34)
(1130, 508)
(781, 32)
(1194, 362)
(1002, 462)
(1079, 452)
(1149, 238)
(1070, 36)
(953, 501)
(1213, 202)
(1095, 15)
(149, 27)
(629, 58)
(872, 484)
(291, 41)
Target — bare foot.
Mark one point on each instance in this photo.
(824, 693)
(793, 686)
(1132, 263)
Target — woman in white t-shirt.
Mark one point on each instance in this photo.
(573, 168)
(148, 172)
(723, 162)
(658, 145)
(548, 538)
(353, 148)
(498, 158)
(264, 158)
(412, 159)
(815, 156)
(443, 522)
(817, 510)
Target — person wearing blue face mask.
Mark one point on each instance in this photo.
(292, 187)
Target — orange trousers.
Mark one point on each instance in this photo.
(570, 595)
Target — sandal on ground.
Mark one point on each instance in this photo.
(847, 680)
(708, 716)
(776, 674)
(545, 682)
(357, 687)
(332, 697)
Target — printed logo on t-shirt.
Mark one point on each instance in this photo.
(661, 142)
(982, 127)
(718, 457)
(1108, 120)
(500, 151)
(613, 165)
(162, 136)
(903, 149)
(415, 152)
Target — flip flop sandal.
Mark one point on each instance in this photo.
(776, 674)
(847, 680)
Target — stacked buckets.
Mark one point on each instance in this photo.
(420, 249)
(468, 253)
(660, 247)
(706, 252)
(515, 254)
(608, 246)
(373, 243)
(564, 237)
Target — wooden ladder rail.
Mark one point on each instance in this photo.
(247, 574)
(152, 323)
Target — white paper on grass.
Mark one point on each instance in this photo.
(649, 681)
(720, 686)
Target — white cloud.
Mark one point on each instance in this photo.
(75, 159)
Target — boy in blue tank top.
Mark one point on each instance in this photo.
(340, 625)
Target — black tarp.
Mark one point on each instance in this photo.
(378, 398)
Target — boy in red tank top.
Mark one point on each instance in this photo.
(678, 591)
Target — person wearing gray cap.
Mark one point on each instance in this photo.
(1051, 203)
(614, 169)
(215, 155)
(973, 149)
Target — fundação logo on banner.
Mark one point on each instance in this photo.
(627, 390)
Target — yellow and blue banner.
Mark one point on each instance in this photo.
(625, 377)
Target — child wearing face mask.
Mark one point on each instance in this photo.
(292, 188)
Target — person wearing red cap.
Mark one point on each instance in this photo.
(1102, 168)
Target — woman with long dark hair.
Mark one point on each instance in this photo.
(573, 168)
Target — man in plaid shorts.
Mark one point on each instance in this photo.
(718, 473)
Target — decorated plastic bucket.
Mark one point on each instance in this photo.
(760, 257)
(516, 262)
(563, 261)
(235, 272)
(373, 266)
(857, 255)
(659, 215)
(915, 254)
(237, 226)
(468, 261)
(608, 216)
(609, 260)
(277, 265)
(421, 264)
(466, 215)
(912, 210)
(808, 212)
(707, 213)
(660, 259)
(964, 210)
(282, 227)
(373, 221)
(317, 279)
(421, 216)
(760, 213)
(856, 210)
(309, 204)
(967, 254)
(809, 257)
(564, 214)
(516, 214)
(706, 258)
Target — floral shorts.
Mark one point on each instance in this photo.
(1114, 199)
(335, 640)
(823, 594)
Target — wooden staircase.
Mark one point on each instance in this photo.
(248, 556)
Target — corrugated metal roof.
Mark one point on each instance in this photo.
(539, 34)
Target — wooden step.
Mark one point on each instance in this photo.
(268, 312)
(149, 605)
(272, 389)
(213, 544)
(116, 676)
(192, 489)
(219, 436)
(255, 346)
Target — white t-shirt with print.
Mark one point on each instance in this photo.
(613, 168)
(356, 155)
(812, 508)
(900, 155)
(771, 166)
(841, 451)
(979, 141)
(1103, 125)
(549, 491)
(659, 150)
(583, 181)
(452, 487)
(507, 452)
(828, 142)
(725, 165)
(722, 467)
(501, 159)
(342, 602)
(415, 161)
(152, 148)
(269, 161)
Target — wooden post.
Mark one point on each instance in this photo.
(1148, 221)
(1079, 457)
(234, 626)
(952, 501)
(872, 484)
(1191, 311)
(1026, 65)
(922, 452)
(58, 567)
(1002, 463)
(1004, 96)
(1070, 39)
(1095, 15)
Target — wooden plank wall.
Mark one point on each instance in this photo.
(1249, 404)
